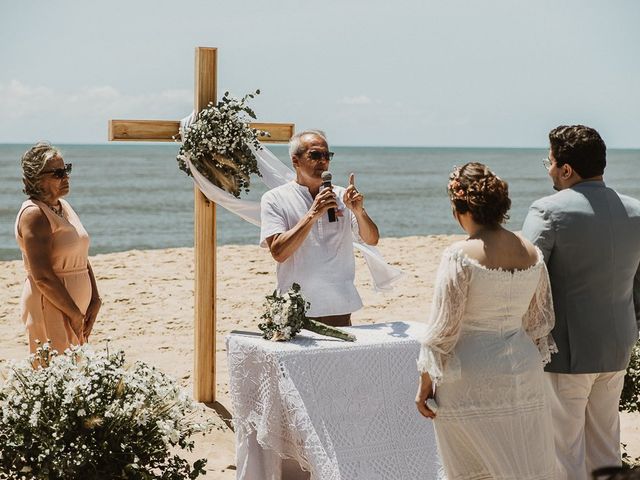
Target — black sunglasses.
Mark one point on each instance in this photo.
(318, 155)
(59, 172)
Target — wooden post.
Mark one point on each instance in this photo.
(204, 380)
(204, 377)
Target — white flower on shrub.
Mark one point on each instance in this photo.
(83, 393)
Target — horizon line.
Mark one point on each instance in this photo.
(476, 147)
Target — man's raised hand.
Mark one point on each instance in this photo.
(352, 198)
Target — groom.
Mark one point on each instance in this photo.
(590, 237)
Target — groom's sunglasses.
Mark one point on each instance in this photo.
(59, 173)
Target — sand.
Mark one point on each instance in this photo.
(148, 312)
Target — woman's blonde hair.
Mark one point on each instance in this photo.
(33, 162)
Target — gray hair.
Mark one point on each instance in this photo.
(33, 162)
(295, 144)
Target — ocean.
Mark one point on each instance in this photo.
(133, 196)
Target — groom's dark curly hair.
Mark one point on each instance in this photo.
(581, 147)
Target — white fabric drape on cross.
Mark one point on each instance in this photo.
(275, 173)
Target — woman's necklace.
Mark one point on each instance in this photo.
(57, 210)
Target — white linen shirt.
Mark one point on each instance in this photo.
(324, 264)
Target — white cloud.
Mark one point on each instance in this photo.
(31, 112)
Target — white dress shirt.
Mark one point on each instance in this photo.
(324, 265)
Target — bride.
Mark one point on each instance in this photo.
(487, 340)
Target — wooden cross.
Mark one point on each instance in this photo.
(204, 382)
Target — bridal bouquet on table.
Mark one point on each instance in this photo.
(219, 144)
(285, 315)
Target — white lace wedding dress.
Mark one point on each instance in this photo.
(486, 342)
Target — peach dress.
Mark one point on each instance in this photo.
(69, 255)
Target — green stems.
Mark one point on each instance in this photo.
(326, 330)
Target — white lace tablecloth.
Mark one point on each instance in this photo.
(344, 411)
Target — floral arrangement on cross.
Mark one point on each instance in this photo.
(285, 315)
(219, 144)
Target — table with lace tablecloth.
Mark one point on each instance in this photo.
(341, 410)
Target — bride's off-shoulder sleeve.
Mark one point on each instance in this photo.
(444, 324)
(539, 319)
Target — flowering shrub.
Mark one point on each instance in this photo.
(285, 315)
(219, 144)
(84, 415)
(630, 398)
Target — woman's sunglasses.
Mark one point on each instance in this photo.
(59, 173)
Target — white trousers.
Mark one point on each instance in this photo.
(586, 422)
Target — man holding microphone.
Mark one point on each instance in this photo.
(309, 231)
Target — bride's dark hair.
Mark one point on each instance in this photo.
(476, 189)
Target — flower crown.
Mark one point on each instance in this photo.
(458, 191)
(454, 187)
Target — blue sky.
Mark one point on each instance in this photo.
(408, 72)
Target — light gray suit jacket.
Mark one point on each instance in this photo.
(590, 237)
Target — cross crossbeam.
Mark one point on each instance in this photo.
(169, 130)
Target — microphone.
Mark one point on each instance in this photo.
(326, 183)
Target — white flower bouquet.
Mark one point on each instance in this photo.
(285, 315)
(219, 144)
(84, 415)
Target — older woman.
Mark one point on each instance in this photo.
(60, 298)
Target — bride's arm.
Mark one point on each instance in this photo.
(539, 319)
(444, 324)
